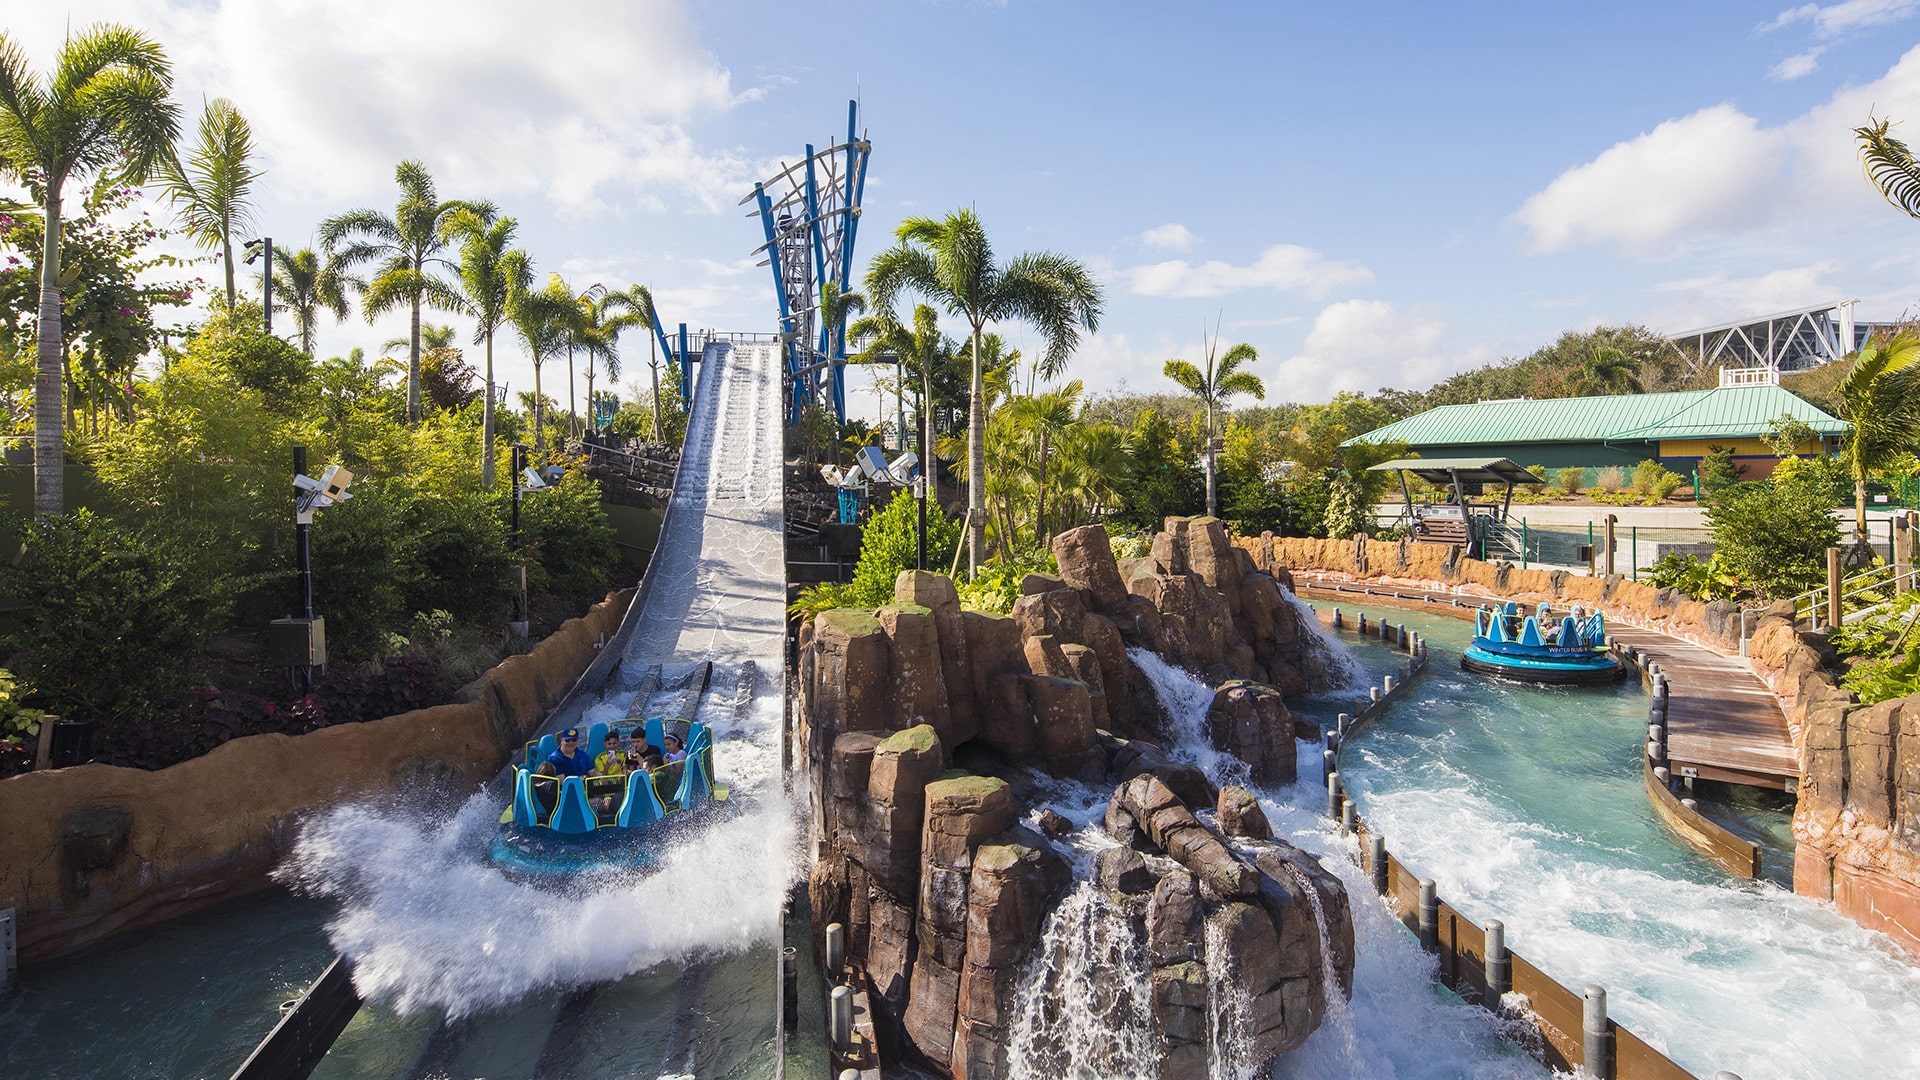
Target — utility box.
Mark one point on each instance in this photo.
(1583, 553)
(297, 642)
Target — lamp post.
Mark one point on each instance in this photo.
(303, 563)
(256, 249)
(517, 624)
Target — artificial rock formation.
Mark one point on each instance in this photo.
(944, 895)
(1230, 915)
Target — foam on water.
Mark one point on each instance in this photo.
(1334, 666)
(1526, 805)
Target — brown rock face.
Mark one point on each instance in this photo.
(1240, 815)
(936, 593)
(1016, 878)
(889, 846)
(852, 672)
(1251, 722)
(1086, 562)
(1173, 828)
(1062, 713)
(917, 670)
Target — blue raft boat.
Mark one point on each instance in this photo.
(1570, 652)
(562, 826)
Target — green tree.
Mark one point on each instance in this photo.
(1608, 370)
(1774, 534)
(920, 351)
(210, 189)
(405, 254)
(104, 110)
(1221, 379)
(304, 287)
(491, 273)
(542, 318)
(1880, 401)
(1042, 421)
(617, 311)
(950, 261)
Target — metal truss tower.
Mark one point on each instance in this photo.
(1788, 341)
(810, 214)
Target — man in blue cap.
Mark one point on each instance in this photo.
(570, 760)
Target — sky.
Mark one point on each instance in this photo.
(1371, 194)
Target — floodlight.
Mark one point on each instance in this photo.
(902, 468)
(553, 474)
(254, 250)
(335, 482)
(831, 474)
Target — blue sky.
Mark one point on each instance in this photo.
(1371, 194)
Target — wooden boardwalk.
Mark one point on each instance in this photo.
(1722, 721)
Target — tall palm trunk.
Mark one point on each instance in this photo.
(590, 416)
(539, 413)
(1040, 497)
(413, 363)
(1213, 503)
(977, 464)
(486, 423)
(226, 252)
(573, 403)
(1859, 510)
(49, 383)
(653, 361)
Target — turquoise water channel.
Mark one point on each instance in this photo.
(1526, 804)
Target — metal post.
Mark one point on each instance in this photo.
(1328, 768)
(303, 567)
(1596, 1041)
(1607, 523)
(517, 622)
(1333, 794)
(836, 950)
(840, 1020)
(1833, 586)
(1386, 686)
(1499, 964)
(1348, 817)
(1377, 862)
(1523, 543)
(1429, 915)
(1635, 541)
(266, 282)
(1343, 722)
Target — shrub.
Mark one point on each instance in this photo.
(1570, 479)
(569, 542)
(889, 543)
(1710, 580)
(113, 620)
(1345, 514)
(1718, 470)
(1646, 475)
(1883, 666)
(1774, 534)
(1610, 479)
(1664, 487)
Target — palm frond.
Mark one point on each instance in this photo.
(1188, 376)
(1889, 165)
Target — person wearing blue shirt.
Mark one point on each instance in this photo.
(570, 760)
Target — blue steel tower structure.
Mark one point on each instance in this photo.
(810, 214)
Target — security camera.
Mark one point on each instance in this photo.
(831, 474)
(553, 474)
(901, 470)
(873, 464)
(334, 483)
(532, 479)
(306, 483)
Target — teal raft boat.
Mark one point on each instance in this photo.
(1572, 651)
(562, 826)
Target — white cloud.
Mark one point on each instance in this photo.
(1836, 19)
(1719, 173)
(1710, 299)
(488, 93)
(1796, 66)
(1365, 344)
(1171, 235)
(1287, 267)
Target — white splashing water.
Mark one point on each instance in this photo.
(430, 924)
(1186, 699)
(1339, 1015)
(1229, 1046)
(1333, 664)
(1085, 1006)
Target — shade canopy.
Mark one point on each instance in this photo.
(1466, 470)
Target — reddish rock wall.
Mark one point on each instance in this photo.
(96, 849)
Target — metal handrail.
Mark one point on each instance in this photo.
(1809, 604)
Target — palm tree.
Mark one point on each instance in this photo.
(615, 311)
(405, 252)
(103, 109)
(587, 333)
(1044, 418)
(1880, 401)
(303, 287)
(431, 337)
(1609, 371)
(543, 319)
(1221, 380)
(209, 190)
(1889, 165)
(951, 263)
(491, 274)
(919, 351)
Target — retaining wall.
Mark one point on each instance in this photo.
(93, 850)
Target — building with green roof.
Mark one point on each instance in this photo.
(1677, 429)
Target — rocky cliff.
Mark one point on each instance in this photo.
(945, 894)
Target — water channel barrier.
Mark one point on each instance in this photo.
(1564, 1030)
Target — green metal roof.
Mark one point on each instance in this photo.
(1728, 412)
(1471, 470)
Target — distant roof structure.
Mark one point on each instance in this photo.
(1466, 470)
(1784, 341)
(1726, 412)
